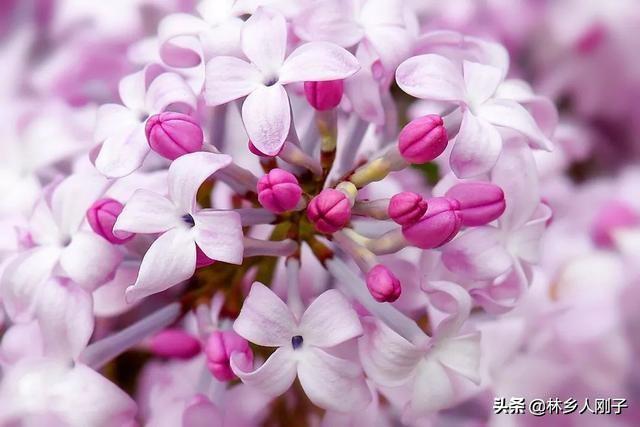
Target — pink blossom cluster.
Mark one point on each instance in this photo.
(241, 213)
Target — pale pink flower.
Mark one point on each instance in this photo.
(121, 128)
(266, 111)
(329, 382)
(473, 87)
(171, 259)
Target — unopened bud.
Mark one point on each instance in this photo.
(102, 215)
(219, 348)
(325, 95)
(423, 139)
(407, 207)
(438, 225)
(279, 191)
(480, 202)
(329, 211)
(173, 134)
(174, 343)
(383, 285)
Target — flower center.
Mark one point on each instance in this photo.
(270, 80)
(296, 342)
(188, 219)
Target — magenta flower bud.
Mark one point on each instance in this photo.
(480, 202)
(219, 348)
(175, 344)
(173, 134)
(102, 216)
(329, 211)
(439, 224)
(613, 215)
(325, 95)
(383, 285)
(279, 191)
(423, 139)
(407, 207)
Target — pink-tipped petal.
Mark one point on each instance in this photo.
(219, 235)
(266, 116)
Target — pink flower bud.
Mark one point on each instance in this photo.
(220, 345)
(174, 343)
(407, 207)
(329, 211)
(439, 224)
(423, 139)
(383, 285)
(173, 134)
(480, 202)
(279, 191)
(325, 95)
(613, 215)
(102, 216)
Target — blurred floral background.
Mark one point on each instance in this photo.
(574, 334)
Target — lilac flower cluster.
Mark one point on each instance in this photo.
(272, 212)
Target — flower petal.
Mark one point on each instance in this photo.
(318, 61)
(431, 77)
(147, 212)
(264, 319)
(173, 31)
(188, 172)
(476, 147)
(329, 320)
(332, 383)
(509, 114)
(202, 413)
(123, 153)
(170, 260)
(264, 39)
(22, 278)
(452, 299)
(274, 377)
(481, 81)
(432, 390)
(462, 355)
(168, 89)
(229, 78)
(219, 235)
(65, 315)
(89, 260)
(267, 117)
(113, 119)
(387, 358)
(478, 253)
(330, 21)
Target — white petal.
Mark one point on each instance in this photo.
(431, 77)
(90, 260)
(387, 358)
(332, 383)
(264, 39)
(22, 278)
(274, 377)
(509, 114)
(72, 197)
(329, 320)
(452, 299)
(188, 172)
(173, 31)
(132, 89)
(432, 390)
(318, 61)
(147, 212)
(229, 78)
(65, 315)
(478, 253)
(267, 117)
(123, 153)
(264, 319)
(171, 259)
(113, 119)
(481, 81)
(168, 89)
(108, 299)
(462, 355)
(219, 235)
(330, 21)
(476, 147)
